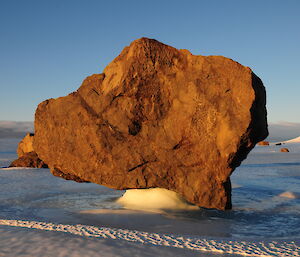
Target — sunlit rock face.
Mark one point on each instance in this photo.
(157, 117)
(25, 145)
(27, 157)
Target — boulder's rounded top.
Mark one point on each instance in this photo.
(146, 41)
(143, 56)
(147, 47)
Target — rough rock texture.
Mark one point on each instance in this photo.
(29, 160)
(264, 143)
(25, 145)
(157, 117)
(27, 156)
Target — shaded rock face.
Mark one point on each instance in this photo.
(67, 176)
(27, 156)
(30, 159)
(157, 117)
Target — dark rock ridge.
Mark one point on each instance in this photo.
(27, 157)
(157, 117)
(67, 176)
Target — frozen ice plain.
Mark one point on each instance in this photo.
(36, 208)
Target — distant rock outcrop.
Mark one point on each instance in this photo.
(263, 143)
(25, 145)
(284, 150)
(27, 156)
(29, 160)
(157, 117)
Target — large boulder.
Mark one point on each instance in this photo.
(157, 117)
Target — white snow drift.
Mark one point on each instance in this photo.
(154, 199)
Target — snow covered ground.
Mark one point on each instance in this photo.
(41, 215)
(294, 140)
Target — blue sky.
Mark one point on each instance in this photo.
(48, 47)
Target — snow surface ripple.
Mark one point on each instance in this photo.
(262, 249)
